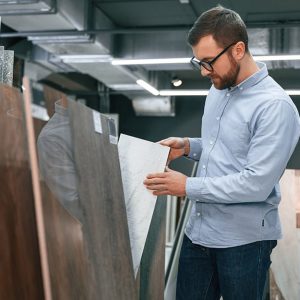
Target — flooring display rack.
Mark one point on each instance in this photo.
(75, 247)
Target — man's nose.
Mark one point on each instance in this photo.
(204, 72)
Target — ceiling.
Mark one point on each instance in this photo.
(148, 29)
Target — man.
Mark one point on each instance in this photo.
(250, 128)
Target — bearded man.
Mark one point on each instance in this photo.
(249, 130)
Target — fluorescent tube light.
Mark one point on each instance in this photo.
(60, 39)
(276, 57)
(126, 87)
(151, 61)
(183, 92)
(293, 92)
(186, 60)
(85, 58)
(148, 87)
(205, 92)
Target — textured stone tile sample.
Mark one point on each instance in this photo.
(104, 227)
(8, 67)
(138, 158)
(1, 63)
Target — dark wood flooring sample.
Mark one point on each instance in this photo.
(101, 196)
(67, 258)
(20, 270)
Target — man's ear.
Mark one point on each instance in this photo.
(239, 50)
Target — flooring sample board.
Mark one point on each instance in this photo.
(20, 271)
(51, 96)
(286, 256)
(138, 158)
(8, 67)
(1, 63)
(104, 224)
(152, 267)
(68, 263)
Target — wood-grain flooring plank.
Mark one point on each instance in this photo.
(20, 271)
(101, 196)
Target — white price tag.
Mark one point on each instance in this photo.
(97, 121)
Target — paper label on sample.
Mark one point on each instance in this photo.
(39, 112)
(97, 121)
(112, 131)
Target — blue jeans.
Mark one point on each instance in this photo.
(236, 273)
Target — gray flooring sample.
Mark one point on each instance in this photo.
(152, 268)
(8, 67)
(1, 63)
(138, 158)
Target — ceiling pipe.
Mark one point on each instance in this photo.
(140, 30)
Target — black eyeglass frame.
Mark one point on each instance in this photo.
(197, 64)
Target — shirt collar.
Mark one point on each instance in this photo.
(60, 109)
(254, 78)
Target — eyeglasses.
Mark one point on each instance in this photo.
(197, 64)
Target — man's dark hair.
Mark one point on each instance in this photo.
(225, 25)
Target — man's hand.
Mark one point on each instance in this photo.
(179, 147)
(167, 183)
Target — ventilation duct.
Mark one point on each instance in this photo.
(13, 7)
(70, 16)
(60, 15)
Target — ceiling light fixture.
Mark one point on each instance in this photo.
(176, 81)
(152, 61)
(126, 87)
(276, 57)
(205, 92)
(60, 39)
(293, 92)
(85, 58)
(183, 92)
(148, 87)
(186, 60)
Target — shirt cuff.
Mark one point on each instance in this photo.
(195, 148)
(192, 188)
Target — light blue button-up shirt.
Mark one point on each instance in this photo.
(248, 134)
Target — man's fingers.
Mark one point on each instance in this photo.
(159, 193)
(156, 180)
(156, 187)
(165, 142)
(156, 175)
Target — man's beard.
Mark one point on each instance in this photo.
(228, 80)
